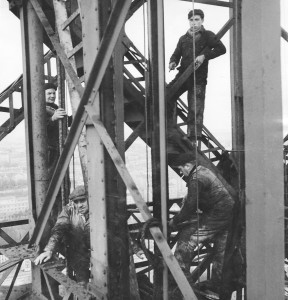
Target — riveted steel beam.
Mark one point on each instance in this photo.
(263, 121)
(108, 42)
(143, 208)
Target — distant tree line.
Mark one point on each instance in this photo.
(7, 183)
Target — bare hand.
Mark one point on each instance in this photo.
(172, 66)
(43, 257)
(199, 61)
(60, 113)
(171, 224)
(140, 254)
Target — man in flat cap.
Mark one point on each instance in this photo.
(72, 229)
(196, 47)
(205, 214)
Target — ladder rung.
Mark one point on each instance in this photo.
(75, 49)
(140, 78)
(212, 149)
(8, 110)
(127, 62)
(73, 16)
(4, 129)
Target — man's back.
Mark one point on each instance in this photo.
(212, 192)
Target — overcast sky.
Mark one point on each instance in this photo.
(217, 116)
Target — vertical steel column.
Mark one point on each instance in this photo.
(107, 192)
(234, 238)
(35, 115)
(34, 104)
(236, 81)
(112, 104)
(263, 149)
(158, 128)
(95, 156)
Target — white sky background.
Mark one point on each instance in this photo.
(217, 116)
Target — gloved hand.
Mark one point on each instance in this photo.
(60, 113)
(171, 225)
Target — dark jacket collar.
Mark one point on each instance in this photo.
(191, 172)
(53, 105)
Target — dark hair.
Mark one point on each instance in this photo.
(180, 159)
(195, 12)
(50, 85)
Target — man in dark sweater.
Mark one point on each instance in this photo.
(205, 214)
(53, 115)
(196, 47)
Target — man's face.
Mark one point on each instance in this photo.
(81, 205)
(195, 22)
(186, 169)
(50, 95)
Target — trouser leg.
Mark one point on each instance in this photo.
(218, 260)
(80, 264)
(171, 103)
(184, 249)
(196, 104)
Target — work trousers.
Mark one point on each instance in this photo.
(195, 103)
(190, 237)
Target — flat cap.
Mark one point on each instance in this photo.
(78, 193)
(50, 85)
(175, 160)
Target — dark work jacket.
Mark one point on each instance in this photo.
(73, 229)
(53, 126)
(206, 192)
(206, 43)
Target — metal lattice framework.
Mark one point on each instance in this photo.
(103, 116)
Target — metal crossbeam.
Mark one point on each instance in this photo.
(134, 135)
(284, 34)
(55, 271)
(73, 16)
(107, 45)
(13, 280)
(213, 2)
(143, 208)
(57, 46)
(7, 238)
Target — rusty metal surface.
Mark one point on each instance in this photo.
(117, 19)
(19, 252)
(70, 285)
(9, 264)
(156, 93)
(95, 157)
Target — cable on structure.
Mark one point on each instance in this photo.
(195, 134)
